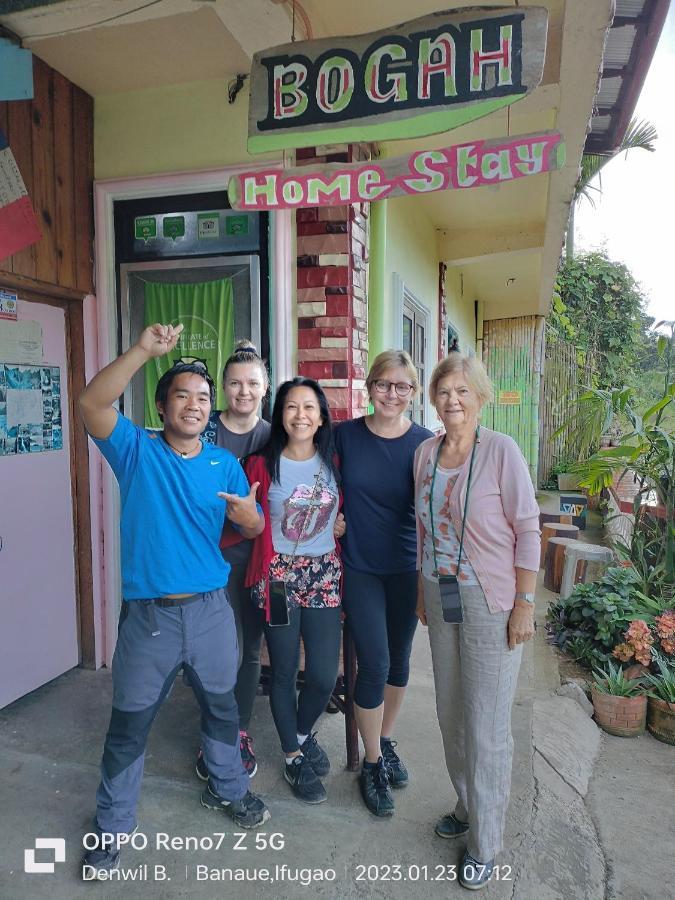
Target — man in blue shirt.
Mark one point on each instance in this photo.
(175, 492)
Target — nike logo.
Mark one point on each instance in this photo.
(215, 462)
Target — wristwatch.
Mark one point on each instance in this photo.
(527, 597)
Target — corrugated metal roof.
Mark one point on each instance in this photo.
(619, 46)
(609, 91)
(600, 124)
(629, 7)
(628, 54)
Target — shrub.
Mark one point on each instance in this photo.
(592, 621)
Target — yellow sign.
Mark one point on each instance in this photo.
(509, 398)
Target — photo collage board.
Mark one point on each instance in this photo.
(30, 409)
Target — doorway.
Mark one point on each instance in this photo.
(240, 273)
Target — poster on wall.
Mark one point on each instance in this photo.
(206, 312)
(21, 342)
(421, 77)
(30, 409)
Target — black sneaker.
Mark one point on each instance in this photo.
(101, 859)
(398, 774)
(200, 767)
(249, 812)
(375, 789)
(303, 779)
(247, 755)
(316, 755)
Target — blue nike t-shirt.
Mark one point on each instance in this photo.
(172, 517)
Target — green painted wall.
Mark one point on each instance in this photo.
(177, 128)
(460, 307)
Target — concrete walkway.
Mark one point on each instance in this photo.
(591, 816)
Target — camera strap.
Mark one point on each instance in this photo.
(466, 504)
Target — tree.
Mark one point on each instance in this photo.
(598, 308)
(639, 136)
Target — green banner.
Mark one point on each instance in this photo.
(206, 311)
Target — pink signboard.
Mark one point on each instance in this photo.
(469, 165)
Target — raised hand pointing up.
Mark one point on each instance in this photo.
(158, 340)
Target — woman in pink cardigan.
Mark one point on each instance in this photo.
(478, 557)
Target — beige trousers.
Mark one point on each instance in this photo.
(475, 676)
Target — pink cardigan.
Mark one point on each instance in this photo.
(502, 525)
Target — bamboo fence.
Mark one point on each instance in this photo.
(513, 354)
(562, 383)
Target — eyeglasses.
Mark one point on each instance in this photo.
(402, 388)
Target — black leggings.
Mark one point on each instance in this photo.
(380, 612)
(249, 621)
(295, 713)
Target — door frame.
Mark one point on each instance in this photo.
(72, 302)
(106, 193)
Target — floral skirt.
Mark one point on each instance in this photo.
(311, 581)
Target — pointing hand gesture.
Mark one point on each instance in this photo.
(242, 511)
(158, 340)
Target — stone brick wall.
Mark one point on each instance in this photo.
(332, 280)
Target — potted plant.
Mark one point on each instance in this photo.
(661, 703)
(620, 704)
(563, 472)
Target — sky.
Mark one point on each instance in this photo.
(631, 217)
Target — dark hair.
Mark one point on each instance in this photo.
(181, 368)
(278, 438)
(246, 352)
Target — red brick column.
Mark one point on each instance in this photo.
(332, 304)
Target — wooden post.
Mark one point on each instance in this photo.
(554, 563)
(555, 529)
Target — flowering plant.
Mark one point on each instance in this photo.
(643, 640)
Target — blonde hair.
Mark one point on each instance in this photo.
(472, 369)
(388, 359)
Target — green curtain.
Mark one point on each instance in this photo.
(206, 310)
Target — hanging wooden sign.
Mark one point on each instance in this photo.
(422, 77)
(468, 165)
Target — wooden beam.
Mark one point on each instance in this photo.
(79, 471)
(39, 290)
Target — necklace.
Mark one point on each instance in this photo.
(182, 453)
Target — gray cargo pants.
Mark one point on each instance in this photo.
(475, 676)
(200, 638)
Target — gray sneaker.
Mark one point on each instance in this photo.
(474, 875)
(101, 859)
(450, 827)
(374, 784)
(302, 777)
(248, 812)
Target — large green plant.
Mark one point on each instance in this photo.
(647, 451)
(589, 623)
